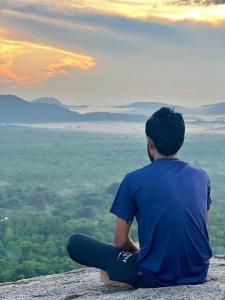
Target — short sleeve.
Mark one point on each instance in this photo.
(124, 205)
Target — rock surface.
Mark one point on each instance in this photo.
(85, 283)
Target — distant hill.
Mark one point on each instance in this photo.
(212, 109)
(15, 110)
(153, 106)
(149, 107)
(52, 100)
(49, 100)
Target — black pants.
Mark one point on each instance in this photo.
(119, 264)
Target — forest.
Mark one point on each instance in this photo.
(57, 182)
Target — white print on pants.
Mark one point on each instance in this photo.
(125, 255)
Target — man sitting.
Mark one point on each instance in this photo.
(170, 200)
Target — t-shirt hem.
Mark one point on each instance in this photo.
(183, 281)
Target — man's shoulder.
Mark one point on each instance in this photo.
(200, 171)
(139, 171)
(148, 169)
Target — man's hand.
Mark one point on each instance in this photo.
(121, 237)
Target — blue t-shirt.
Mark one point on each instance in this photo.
(169, 199)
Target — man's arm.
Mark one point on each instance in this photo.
(121, 236)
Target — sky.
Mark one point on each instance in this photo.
(113, 52)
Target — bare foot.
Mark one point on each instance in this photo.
(105, 278)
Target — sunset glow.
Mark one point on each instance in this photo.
(110, 51)
(26, 63)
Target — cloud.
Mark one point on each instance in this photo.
(89, 20)
(175, 50)
(175, 11)
(26, 63)
(209, 11)
(196, 2)
(91, 28)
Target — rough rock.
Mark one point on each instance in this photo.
(86, 283)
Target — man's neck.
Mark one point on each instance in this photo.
(160, 156)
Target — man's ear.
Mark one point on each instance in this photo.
(151, 143)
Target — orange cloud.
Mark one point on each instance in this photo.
(26, 63)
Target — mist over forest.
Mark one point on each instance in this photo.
(56, 180)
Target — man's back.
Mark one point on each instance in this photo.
(169, 199)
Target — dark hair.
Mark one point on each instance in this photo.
(166, 128)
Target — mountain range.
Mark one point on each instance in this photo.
(48, 100)
(15, 110)
(153, 106)
(212, 109)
